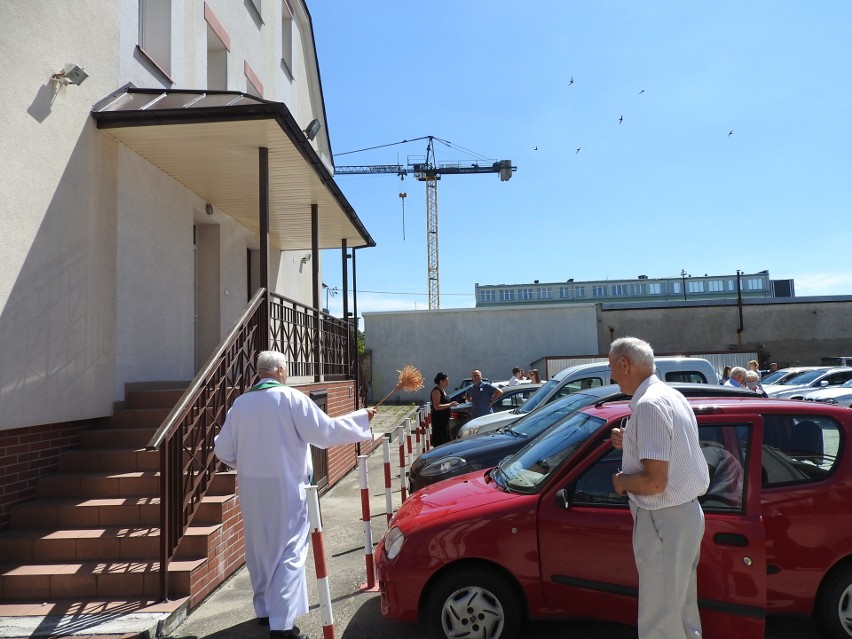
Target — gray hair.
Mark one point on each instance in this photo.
(752, 376)
(738, 371)
(270, 360)
(634, 350)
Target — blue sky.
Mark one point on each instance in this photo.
(666, 189)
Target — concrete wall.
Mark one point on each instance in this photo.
(456, 341)
(791, 332)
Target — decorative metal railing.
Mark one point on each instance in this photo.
(185, 439)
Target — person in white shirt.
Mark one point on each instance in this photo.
(663, 473)
(266, 438)
(515, 379)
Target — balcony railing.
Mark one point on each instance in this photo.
(314, 344)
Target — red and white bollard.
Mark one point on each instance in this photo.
(388, 488)
(417, 440)
(319, 561)
(408, 443)
(403, 489)
(370, 584)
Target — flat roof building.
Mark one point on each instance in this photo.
(686, 287)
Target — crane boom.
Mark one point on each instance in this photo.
(430, 172)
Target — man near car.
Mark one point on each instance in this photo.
(481, 394)
(515, 379)
(663, 473)
(738, 377)
(266, 437)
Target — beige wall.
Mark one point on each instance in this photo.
(792, 332)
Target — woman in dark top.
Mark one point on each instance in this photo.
(441, 406)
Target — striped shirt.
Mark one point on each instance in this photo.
(662, 427)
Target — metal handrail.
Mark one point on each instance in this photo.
(186, 437)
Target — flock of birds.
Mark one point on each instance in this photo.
(620, 118)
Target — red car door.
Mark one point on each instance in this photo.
(585, 537)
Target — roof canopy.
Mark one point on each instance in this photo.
(209, 141)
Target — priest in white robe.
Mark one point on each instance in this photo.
(266, 438)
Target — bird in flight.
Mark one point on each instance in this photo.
(578, 149)
(730, 133)
(571, 81)
(535, 148)
(642, 91)
(620, 119)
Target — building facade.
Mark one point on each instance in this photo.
(162, 160)
(642, 289)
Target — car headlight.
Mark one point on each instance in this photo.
(443, 466)
(393, 542)
(467, 431)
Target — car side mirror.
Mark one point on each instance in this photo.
(565, 497)
(824, 383)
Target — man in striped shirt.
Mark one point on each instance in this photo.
(663, 473)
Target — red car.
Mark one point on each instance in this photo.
(544, 536)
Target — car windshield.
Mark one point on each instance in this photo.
(530, 467)
(803, 378)
(553, 413)
(773, 378)
(538, 397)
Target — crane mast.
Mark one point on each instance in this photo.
(429, 172)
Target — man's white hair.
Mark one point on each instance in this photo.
(270, 360)
(634, 350)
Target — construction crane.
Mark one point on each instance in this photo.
(429, 171)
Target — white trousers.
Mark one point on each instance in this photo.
(666, 546)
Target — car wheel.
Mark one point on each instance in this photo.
(477, 602)
(834, 607)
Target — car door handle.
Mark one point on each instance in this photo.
(730, 539)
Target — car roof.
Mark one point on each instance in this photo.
(733, 406)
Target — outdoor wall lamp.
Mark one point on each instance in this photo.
(71, 74)
(312, 129)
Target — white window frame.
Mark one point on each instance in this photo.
(155, 33)
(288, 23)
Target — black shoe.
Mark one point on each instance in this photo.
(263, 621)
(293, 633)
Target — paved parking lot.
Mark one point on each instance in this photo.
(227, 614)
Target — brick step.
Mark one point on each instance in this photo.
(86, 614)
(110, 484)
(131, 512)
(143, 396)
(90, 579)
(101, 438)
(98, 544)
(139, 418)
(103, 460)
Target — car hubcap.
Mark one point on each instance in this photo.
(472, 612)
(844, 610)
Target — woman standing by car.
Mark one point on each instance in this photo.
(441, 406)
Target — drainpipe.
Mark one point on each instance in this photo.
(740, 305)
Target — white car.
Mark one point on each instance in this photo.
(841, 395)
(799, 386)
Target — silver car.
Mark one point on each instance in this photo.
(840, 395)
(799, 386)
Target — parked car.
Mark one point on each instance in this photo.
(784, 374)
(544, 536)
(584, 376)
(513, 397)
(800, 385)
(486, 450)
(839, 395)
